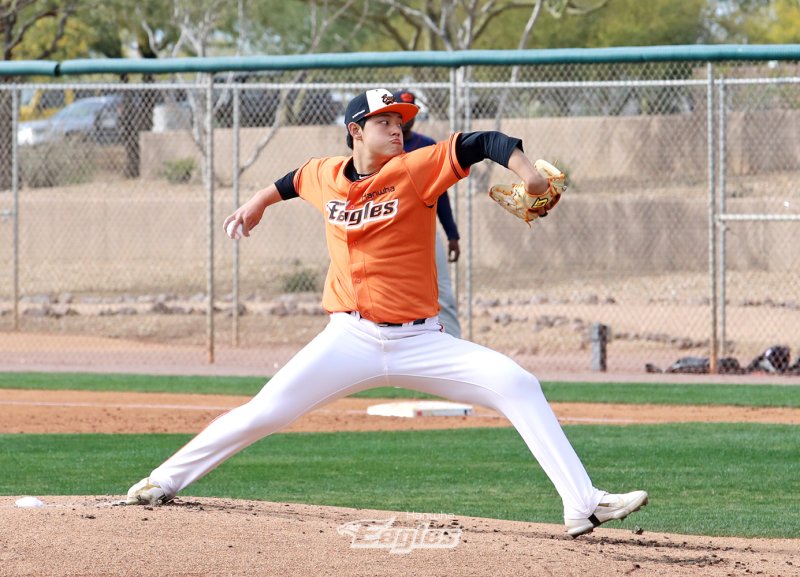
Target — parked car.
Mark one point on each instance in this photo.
(95, 119)
(259, 105)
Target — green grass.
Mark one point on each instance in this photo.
(133, 383)
(208, 385)
(675, 394)
(776, 395)
(708, 479)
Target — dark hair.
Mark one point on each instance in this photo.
(349, 140)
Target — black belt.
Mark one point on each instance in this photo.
(414, 322)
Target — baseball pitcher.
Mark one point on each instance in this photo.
(379, 208)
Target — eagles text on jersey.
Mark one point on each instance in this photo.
(356, 218)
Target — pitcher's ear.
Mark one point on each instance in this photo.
(354, 129)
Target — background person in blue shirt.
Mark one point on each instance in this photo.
(448, 313)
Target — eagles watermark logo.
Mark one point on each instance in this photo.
(382, 534)
(356, 218)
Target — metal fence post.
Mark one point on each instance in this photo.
(468, 280)
(452, 111)
(15, 206)
(236, 95)
(712, 220)
(208, 175)
(722, 226)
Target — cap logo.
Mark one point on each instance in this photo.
(387, 99)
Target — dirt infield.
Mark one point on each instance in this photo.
(94, 536)
(35, 411)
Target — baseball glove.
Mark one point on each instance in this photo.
(516, 200)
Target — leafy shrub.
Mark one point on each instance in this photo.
(179, 171)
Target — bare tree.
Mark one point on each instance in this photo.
(457, 24)
(194, 27)
(200, 25)
(320, 23)
(557, 8)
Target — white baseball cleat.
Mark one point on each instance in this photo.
(147, 492)
(610, 507)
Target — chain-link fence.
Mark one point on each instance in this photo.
(676, 232)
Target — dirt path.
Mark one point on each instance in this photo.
(36, 411)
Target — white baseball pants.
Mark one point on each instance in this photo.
(353, 354)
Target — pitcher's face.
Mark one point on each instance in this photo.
(383, 135)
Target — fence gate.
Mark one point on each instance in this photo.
(758, 202)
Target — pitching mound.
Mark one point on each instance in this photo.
(93, 536)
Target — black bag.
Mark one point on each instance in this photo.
(729, 366)
(689, 365)
(774, 360)
(701, 365)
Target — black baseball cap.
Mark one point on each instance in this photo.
(377, 101)
(405, 96)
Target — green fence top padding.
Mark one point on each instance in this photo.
(253, 63)
(28, 68)
(437, 59)
(705, 53)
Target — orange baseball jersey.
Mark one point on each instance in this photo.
(380, 231)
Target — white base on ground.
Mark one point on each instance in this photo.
(420, 409)
(28, 502)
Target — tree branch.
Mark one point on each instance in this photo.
(557, 8)
(489, 12)
(319, 33)
(62, 26)
(359, 23)
(515, 70)
(424, 18)
(397, 36)
(283, 102)
(31, 22)
(529, 25)
(14, 8)
(574, 10)
(468, 28)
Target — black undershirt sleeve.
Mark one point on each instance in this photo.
(285, 186)
(472, 147)
(445, 214)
